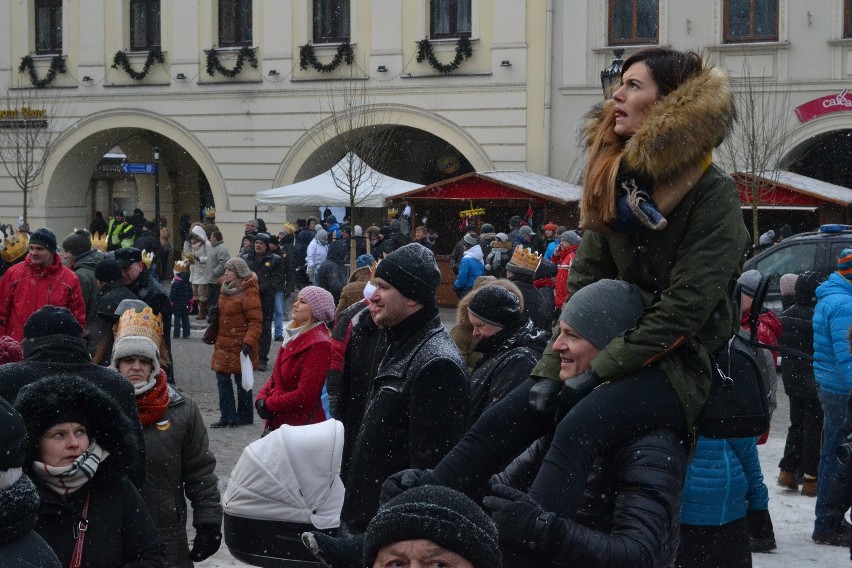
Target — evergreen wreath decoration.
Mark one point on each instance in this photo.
(120, 60)
(245, 54)
(57, 65)
(307, 57)
(464, 50)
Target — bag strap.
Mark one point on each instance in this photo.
(314, 411)
(82, 526)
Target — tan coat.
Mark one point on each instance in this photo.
(240, 321)
(353, 292)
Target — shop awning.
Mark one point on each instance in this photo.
(498, 185)
(781, 188)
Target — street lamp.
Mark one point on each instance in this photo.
(611, 76)
(157, 186)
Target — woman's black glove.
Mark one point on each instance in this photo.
(246, 349)
(542, 397)
(260, 406)
(404, 480)
(207, 542)
(523, 524)
(574, 390)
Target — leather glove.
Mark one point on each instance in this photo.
(206, 543)
(523, 524)
(404, 480)
(542, 397)
(260, 406)
(246, 349)
(574, 390)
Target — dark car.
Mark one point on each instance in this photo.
(800, 253)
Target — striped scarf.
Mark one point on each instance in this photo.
(67, 479)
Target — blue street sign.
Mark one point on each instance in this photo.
(138, 168)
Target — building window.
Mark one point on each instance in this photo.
(235, 23)
(48, 26)
(847, 18)
(144, 24)
(449, 19)
(751, 20)
(331, 21)
(633, 22)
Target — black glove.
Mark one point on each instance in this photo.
(246, 349)
(542, 397)
(574, 390)
(523, 524)
(260, 406)
(404, 480)
(206, 543)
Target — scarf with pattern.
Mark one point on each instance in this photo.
(67, 479)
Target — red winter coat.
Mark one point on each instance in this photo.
(563, 259)
(26, 287)
(768, 328)
(293, 391)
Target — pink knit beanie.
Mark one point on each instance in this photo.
(10, 350)
(321, 302)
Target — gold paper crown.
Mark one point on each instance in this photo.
(147, 258)
(290, 228)
(525, 259)
(140, 324)
(181, 266)
(14, 247)
(99, 241)
(209, 212)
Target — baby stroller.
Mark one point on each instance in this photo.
(284, 484)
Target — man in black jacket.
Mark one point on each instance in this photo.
(521, 271)
(332, 274)
(418, 400)
(270, 279)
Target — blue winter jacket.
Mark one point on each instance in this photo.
(723, 482)
(832, 318)
(470, 268)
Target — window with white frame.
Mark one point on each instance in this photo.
(449, 18)
(48, 26)
(235, 23)
(331, 21)
(633, 22)
(751, 20)
(144, 24)
(847, 18)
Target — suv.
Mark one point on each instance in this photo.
(800, 253)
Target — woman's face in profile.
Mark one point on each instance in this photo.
(638, 92)
(63, 443)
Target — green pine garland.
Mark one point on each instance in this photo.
(120, 60)
(307, 58)
(463, 51)
(245, 54)
(57, 65)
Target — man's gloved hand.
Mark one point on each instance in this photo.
(404, 480)
(245, 349)
(260, 406)
(542, 397)
(523, 524)
(206, 543)
(574, 390)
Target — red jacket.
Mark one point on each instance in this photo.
(768, 328)
(563, 259)
(293, 391)
(26, 287)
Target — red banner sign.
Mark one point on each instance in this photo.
(824, 105)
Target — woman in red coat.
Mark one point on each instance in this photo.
(292, 394)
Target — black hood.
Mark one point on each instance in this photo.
(337, 251)
(806, 285)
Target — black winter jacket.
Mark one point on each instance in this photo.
(287, 252)
(180, 294)
(332, 274)
(508, 358)
(149, 290)
(798, 332)
(100, 327)
(270, 277)
(534, 307)
(20, 546)
(415, 413)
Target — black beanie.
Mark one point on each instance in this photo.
(437, 514)
(44, 237)
(13, 437)
(108, 270)
(497, 306)
(76, 244)
(412, 270)
(52, 320)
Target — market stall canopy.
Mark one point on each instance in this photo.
(780, 188)
(498, 185)
(372, 191)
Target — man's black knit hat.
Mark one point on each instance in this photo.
(52, 320)
(497, 306)
(44, 237)
(437, 514)
(412, 270)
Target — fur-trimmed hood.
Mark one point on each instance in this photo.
(679, 130)
(40, 402)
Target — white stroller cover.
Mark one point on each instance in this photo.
(290, 475)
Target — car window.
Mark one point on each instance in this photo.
(795, 259)
(836, 248)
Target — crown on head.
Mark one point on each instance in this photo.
(14, 247)
(525, 258)
(147, 258)
(181, 266)
(290, 228)
(99, 241)
(140, 324)
(209, 212)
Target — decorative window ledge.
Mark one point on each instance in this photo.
(627, 47)
(750, 46)
(841, 42)
(440, 76)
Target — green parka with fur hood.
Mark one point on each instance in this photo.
(687, 270)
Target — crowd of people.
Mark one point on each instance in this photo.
(554, 424)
